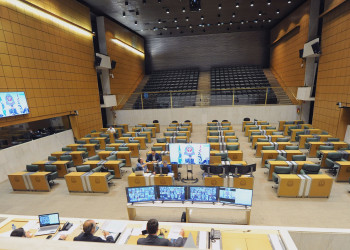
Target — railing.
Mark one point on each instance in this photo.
(209, 97)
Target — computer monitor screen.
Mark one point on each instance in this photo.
(172, 193)
(49, 219)
(13, 103)
(203, 194)
(236, 196)
(161, 170)
(141, 194)
(189, 153)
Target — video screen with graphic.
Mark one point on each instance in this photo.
(203, 194)
(236, 196)
(189, 153)
(12, 104)
(172, 193)
(141, 194)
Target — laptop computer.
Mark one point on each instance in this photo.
(49, 223)
(139, 172)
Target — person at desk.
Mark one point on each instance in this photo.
(141, 165)
(154, 240)
(153, 157)
(111, 130)
(89, 229)
(164, 165)
(19, 232)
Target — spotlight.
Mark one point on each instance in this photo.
(233, 14)
(255, 21)
(251, 4)
(159, 1)
(218, 23)
(135, 22)
(167, 11)
(237, 5)
(289, 1)
(277, 11)
(231, 22)
(269, 20)
(190, 26)
(123, 13)
(159, 21)
(202, 17)
(183, 9)
(175, 20)
(219, 6)
(268, 2)
(260, 13)
(177, 27)
(242, 21)
(187, 19)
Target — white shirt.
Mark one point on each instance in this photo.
(111, 130)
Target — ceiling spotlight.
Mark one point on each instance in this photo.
(242, 21)
(219, 6)
(289, 1)
(268, 2)
(202, 17)
(251, 4)
(183, 9)
(175, 20)
(256, 21)
(159, 1)
(190, 26)
(167, 11)
(135, 22)
(269, 20)
(165, 28)
(177, 27)
(218, 23)
(123, 13)
(159, 21)
(126, 3)
(222, 23)
(199, 9)
(277, 11)
(208, 24)
(260, 13)
(233, 14)
(137, 13)
(187, 19)
(231, 22)
(237, 5)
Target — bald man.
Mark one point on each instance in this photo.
(89, 229)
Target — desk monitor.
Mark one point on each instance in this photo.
(189, 153)
(49, 219)
(172, 193)
(141, 194)
(236, 196)
(202, 194)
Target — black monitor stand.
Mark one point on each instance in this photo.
(251, 171)
(193, 180)
(236, 172)
(224, 175)
(208, 170)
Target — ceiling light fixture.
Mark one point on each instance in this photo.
(277, 11)
(159, 21)
(242, 21)
(175, 20)
(237, 5)
(123, 13)
(269, 20)
(177, 27)
(251, 4)
(231, 22)
(260, 13)
(289, 1)
(218, 23)
(219, 6)
(187, 19)
(268, 2)
(233, 14)
(184, 9)
(167, 11)
(202, 17)
(135, 22)
(159, 1)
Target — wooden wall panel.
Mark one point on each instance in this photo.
(284, 54)
(205, 51)
(334, 72)
(51, 64)
(130, 67)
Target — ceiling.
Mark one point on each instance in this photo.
(149, 18)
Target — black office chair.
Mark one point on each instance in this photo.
(214, 121)
(53, 175)
(174, 121)
(187, 121)
(155, 121)
(246, 119)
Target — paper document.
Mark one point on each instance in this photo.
(203, 240)
(113, 226)
(136, 231)
(174, 232)
(31, 225)
(71, 230)
(125, 236)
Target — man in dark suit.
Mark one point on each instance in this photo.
(153, 157)
(154, 240)
(89, 229)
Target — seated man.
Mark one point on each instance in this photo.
(141, 165)
(166, 165)
(153, 157)
(19, 232)
(111, 130)
(89, 229)
(153, 240)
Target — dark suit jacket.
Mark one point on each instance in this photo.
(89, 237)
(150, 156)
(154, 240)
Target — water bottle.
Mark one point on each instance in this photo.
(13, 227)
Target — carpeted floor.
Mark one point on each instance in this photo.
(267, 208)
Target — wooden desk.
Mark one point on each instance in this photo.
(260, 145)
(224, 132)
(272, 138)
(302, 126)
(273, 164)
(218, 124)
(288, 185)
(218, 146)
(343, 173)
(224, 137)
(74, 181)
(217, 128)
(161, 144)
(272, 154)
(150, 134)
(247, 128)
(281, 124)
(314, 146)
(112, 165)
(257, 123)
(168, 138)
(156, 125)
(188, 133)
(267, 132)
(244, 181)
(142, 141)
(214, 181)
(39, 181)
(313, 131)
(133, 147)
(99, 182)
(96, 134)
(234, 155)
(163, 180)
(302, 139)
(321, 185)
(18, 181)
(139, 134)
(136, 181)
(120, 155)
(119, 131)
(77, 156)
(61, 166)
(90, 148)
(124, 126)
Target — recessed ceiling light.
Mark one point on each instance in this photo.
(251, 4)
(242, 21)
(175, 20)
(183, 9)
(177, 27)
(233, 14)
(222, 23)
(208, 24)
(202, 17)
(159, 21)
(289, 1)
(187, 19)
(219, 6)
(190, 26)
(268, 2)
(167, 11)
(260, 13)
(237, 5)
(255, 21)
(218, 23)
(199, 9)
(277, 11)
(231, 22)
(269, 20)
(159, 1)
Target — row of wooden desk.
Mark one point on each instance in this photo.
(87, 182)
(30, 181)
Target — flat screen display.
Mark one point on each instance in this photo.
(141, 194)
(189, 153)
(172, 193)
(13, 103)
(236, 196)
(203, 194)
(49, 219)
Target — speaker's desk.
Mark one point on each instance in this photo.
(222, 146)
(314, 146)
(281, 124)
(286, 128)
(219, 132)
(277, 145)
(148, 135)
(311, 131)
(112, 165)
(221, 138)
(101, 140)
(142, 140)
(142, 130)
(271, 138)
(61, 166)
(248, 127)
(264, 132)
(288, 185)
(133, 147)
(296, 166)
(343, 173)
(91, 148)
(234, 155)
(120, 155)
(149, 179)
(272, 154)
(174, 167)
(77, 156)
(302, 139)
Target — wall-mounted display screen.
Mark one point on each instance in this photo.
(13, 103)
(189, 153)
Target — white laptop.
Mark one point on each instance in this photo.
(49, 223)
(139, 172)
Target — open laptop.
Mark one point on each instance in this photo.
(139, 172)
(49, 223)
